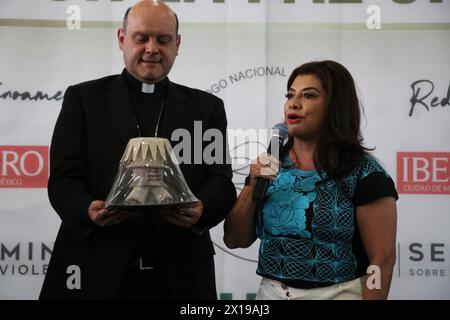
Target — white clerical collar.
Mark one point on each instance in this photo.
(148, 87)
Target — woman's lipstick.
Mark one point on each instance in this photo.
(293, 118)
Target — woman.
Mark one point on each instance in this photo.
(329, 211)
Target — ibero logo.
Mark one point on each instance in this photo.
(423, 172)
(23, 166)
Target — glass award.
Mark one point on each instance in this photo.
(149, 176)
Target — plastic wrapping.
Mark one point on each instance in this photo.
(149, 176)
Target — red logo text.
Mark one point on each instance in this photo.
(23, 166)
(423, 172)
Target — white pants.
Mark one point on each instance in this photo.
(275, 290)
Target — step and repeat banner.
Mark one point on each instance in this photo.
(243, 52)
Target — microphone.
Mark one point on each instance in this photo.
(279, 133)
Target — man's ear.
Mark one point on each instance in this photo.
(120, 37)
(178, 40)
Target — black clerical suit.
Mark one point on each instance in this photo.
(96, 121)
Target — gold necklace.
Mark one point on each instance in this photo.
(294, 158)
(157, 122)
(297, 163)
(159, 119)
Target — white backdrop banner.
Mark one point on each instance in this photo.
(241, 11)
(243, 52)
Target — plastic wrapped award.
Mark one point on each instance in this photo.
(148, 176)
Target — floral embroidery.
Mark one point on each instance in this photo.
(307, 233)
(288, 197)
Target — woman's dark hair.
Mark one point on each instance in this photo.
(339, 150)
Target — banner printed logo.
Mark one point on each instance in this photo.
(23, 166)
(423, 172)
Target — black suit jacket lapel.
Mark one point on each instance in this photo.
(121, 108)
(176, 112)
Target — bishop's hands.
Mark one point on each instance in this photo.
(107, 217)
(184, 217)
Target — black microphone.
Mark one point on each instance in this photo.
(279, 134)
